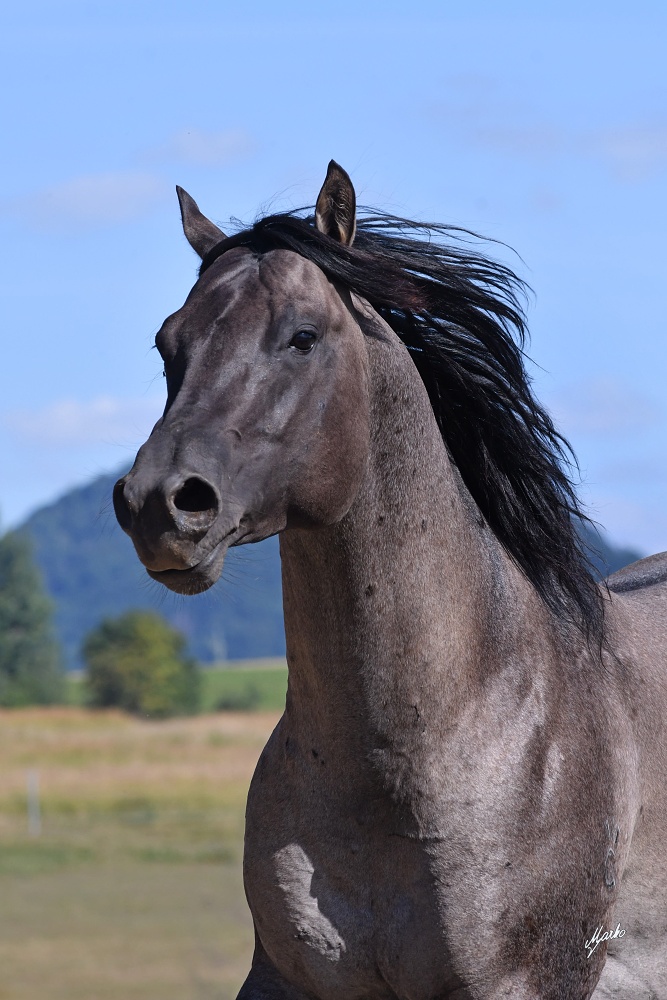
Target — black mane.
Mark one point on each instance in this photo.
(460, 315)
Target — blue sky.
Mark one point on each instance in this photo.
(543, 126)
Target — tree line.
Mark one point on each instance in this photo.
(136, 662)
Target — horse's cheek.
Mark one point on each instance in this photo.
(327, 484)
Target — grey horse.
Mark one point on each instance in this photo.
(466, 796)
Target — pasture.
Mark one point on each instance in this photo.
(246, 685)
(133, 888)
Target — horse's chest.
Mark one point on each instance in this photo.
(341, 930)
(338, 918)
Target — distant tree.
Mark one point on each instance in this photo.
(30, 665)
(137, 662)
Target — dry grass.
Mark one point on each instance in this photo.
(133, 889)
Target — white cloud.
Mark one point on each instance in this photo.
(92, 200)
(635, 151)
(76, 423)
(486, 115)
(204, 149)
(603, 406)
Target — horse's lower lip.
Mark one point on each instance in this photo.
(196, 579)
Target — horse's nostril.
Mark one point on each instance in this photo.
(196, 496)
(121, 506)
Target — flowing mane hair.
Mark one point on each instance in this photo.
(460, 315)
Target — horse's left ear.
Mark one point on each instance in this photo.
(200, 232)
(336, 207)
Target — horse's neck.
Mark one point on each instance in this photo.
(399, 606)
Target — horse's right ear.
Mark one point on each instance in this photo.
(200, 232)
(336, 207)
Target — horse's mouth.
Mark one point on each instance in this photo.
(196, 579)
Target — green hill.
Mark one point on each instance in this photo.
(91, 572)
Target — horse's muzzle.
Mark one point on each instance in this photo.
(169, 522)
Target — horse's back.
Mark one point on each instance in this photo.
(640, 574)
(637, 630)
(638, 622)
(636, 966)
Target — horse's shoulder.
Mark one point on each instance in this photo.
(638, 575)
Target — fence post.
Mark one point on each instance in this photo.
(34, 810)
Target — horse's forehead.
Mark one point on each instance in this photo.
(275, 274)
(242, 287)
(286, 272)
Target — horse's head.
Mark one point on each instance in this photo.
(266, 420)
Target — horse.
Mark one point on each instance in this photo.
(465, 796)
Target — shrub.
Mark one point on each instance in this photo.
(137, 662)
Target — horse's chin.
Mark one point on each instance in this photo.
(196, 579)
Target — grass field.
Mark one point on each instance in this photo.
(253, 685)
(133, 889)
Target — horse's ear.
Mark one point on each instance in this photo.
(336, 207)
(200, 232)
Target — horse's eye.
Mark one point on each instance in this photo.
(303, 340)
